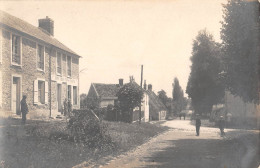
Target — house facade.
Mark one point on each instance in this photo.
(101, 95)
(157, 109)
(35, 64)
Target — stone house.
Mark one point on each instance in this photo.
(157, 109)
(106, 94)
(35, 64)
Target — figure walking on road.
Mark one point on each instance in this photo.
(198, 124)
(24, 109)
(221, 125)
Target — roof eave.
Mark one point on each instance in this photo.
(9, 28)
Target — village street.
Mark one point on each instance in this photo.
(180, 148)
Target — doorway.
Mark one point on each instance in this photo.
(16, 94)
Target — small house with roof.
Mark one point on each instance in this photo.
(102, 95)
(157, 109)
(35, 64)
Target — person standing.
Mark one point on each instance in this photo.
(24, 109)
(198, 124)
(221, 125)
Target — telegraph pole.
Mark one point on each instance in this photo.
(140, 112)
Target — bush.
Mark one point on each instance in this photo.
(87, 129)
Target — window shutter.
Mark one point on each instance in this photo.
(35, 92)
(46, 92)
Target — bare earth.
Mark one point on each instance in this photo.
(180, 148)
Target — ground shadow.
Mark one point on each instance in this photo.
(202, 153)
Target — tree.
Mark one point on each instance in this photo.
(178, 97)
(83, 100)
(129, 97)
(204, 85)
(165, 100)
(240, 36)
(163, 97)
(177, 91)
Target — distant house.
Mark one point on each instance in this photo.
(102, 95)
(236, 110)
(240, 109)
(157, 109)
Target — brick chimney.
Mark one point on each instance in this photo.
(150, 87)
(47, 24)
(121, 82)
(145, 85)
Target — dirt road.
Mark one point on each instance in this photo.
(180, 148)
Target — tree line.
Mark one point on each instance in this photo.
(232, 64)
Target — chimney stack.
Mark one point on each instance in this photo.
(47, 24)
(121, 82)
(145, 85)
(150, 87)
(132, 79)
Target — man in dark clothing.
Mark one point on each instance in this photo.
(198, 124)
(24, 109)
(221, 124)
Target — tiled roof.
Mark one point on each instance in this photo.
(155, 103)
(25, 27)
(106, 90)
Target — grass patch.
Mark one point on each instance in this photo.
(34, 145)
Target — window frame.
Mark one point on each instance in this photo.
(69, 92)
(37, 54)
(57, 64)
(69, 66)
(20, 49)
(75, 99)
(41, 100)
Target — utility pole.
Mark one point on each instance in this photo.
(140, 112)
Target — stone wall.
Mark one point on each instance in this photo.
(28, 73)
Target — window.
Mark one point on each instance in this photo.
(40, 57)
(16, 49)
(64, 58)
(41, 92)
(69, 66)
(69, 92)
(75, 95)
(59, 64)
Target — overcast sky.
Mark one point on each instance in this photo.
(115, 38)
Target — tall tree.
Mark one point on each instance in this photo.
(177, 90)
(204, 86)
(179, 101)
(240, 36)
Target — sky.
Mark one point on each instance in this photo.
(114, 38)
